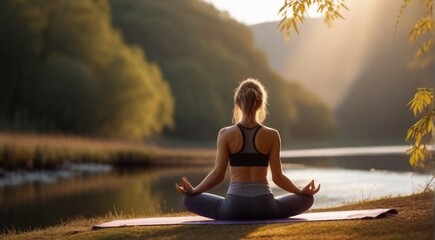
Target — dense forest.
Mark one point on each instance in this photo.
(363, 67)
(66, 69)
(133, 69)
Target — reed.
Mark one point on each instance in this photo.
(29, 152)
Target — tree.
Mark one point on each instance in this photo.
(420, 134)
(66, 69)
(294, 12)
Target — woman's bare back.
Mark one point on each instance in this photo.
(263, 143)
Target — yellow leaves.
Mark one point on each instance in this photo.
(286, 24)
(283, 7)
(427, 9)
(332, 11)
(290, 21)
(421, 132)
(428, 6)
(424, 48)
(417, 154)
(405, 4)
(294, 12)
(423, 26)
(420, 129)
(422, 98)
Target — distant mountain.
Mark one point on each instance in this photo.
(360, 66)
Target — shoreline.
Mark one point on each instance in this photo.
(414, 221)
(24, 151)
(35, 152)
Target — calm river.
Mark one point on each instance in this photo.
(46, 198)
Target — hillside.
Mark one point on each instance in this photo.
(66, 69)
(137, 69)
(359, 67)
(204, 54)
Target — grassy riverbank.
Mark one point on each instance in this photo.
(25, 151)
(414, 221)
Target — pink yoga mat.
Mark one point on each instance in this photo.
(316, 216)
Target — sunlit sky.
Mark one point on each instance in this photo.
(252, 11)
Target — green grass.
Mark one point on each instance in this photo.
(26, 151)
(414, 221)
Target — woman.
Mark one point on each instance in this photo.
(250, 148)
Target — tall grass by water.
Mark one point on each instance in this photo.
(27, 151)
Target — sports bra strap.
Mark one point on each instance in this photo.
(249, 154)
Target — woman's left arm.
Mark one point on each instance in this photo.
(216, 175)
(279, 178)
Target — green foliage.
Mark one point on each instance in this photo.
(294, 12)
(204, 55)
(65, 68)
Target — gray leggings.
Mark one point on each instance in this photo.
(235, 207)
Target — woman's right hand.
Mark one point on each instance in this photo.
(185, 188)
(310, 189)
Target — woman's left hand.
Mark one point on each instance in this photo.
(186, 187)
(310, 189)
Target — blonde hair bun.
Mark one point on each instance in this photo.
(250, 98)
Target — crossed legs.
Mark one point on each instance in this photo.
(237, 207)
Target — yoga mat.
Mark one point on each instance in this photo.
(315, 216)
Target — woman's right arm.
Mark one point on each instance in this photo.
(278, 176)
(215, 176)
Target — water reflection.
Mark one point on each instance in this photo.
(341, 186)
(149, 192)
(42, 203)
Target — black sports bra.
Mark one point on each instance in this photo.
(248, 154)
